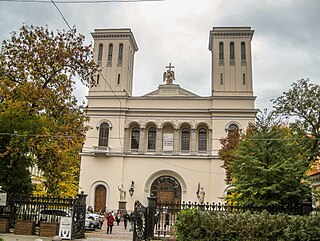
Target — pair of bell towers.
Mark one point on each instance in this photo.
(230, 48)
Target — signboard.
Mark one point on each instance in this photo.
(65, 228)
(3, 199)
(167, 141)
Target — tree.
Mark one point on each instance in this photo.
(226, 153)
(269, 166)
(40, 118)
(300, 105)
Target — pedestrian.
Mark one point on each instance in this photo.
(157, 220)
(118, 217)
(126, 218)
(167, 217)
(90, 209)
(131, 221)
(110, 220)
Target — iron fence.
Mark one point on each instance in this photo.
(166, 214)
(46, 209)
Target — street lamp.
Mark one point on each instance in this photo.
(131, 190)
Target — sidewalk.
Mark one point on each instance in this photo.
(118, 234)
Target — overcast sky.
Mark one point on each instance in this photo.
(285, 46)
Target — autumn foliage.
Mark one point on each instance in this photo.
(41, 122)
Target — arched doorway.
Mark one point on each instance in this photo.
(100, 198)
(166, 189)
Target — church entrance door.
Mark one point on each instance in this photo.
(100, 198)
(166, 189)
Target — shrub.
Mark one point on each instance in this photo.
(208, 226)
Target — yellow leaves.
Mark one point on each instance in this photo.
(36, 72)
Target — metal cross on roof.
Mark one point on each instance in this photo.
(170, 67)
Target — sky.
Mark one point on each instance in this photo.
(285, 45)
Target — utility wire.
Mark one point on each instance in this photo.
(81, 2)
(65, 20)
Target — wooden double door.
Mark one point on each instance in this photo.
(100, 198)
(166, 189)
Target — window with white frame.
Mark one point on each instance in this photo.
(152, 133)
(202, 139)
(110, 52)
(104, 134)
(185, 139)
(135, 136)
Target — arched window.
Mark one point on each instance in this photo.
(185, 139)
(243, 79)
(100, 54)
(221, 53)
(202, 139)
(120, 53)
(152, 133)
(232, 128)
(110, 53)
(135, 136)
(221, 79)
(243, 52)
(232, 52)
(104, 134)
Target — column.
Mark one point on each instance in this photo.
(193, 142)
(159, 141)
(142, 141)
(126, 141)
(209, 151)
(176, 141)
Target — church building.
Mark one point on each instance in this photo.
(165, 143)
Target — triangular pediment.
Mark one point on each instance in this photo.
(171, 90)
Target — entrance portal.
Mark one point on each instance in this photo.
(100, 198)
(166, 189)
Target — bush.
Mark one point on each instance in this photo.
(220, 226)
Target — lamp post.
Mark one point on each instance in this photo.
(131, 190)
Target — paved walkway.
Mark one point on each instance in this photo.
(118, 234)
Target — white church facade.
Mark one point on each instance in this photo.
(164, 143)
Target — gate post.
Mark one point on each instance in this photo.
(79, 216)
(151, 211)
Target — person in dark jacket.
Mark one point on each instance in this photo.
(126, 218)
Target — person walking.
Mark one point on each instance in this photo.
(131, 221)
(110, 220)
(126, 218)
(118, 217)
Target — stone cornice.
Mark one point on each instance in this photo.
(118, 34)
(149, 155)
(192, 98)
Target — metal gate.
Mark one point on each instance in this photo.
(144, 220)
(140, 222)
(48, 209)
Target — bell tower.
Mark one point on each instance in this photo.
(114, 51)
(231, 61)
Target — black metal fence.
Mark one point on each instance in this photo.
(159, 218)
(46, 209)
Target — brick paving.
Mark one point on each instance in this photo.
(118, 233)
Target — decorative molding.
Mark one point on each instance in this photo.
(160, 123)
(104, 121)
(233, 34)
(165, 172)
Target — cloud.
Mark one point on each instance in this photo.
(285, 45)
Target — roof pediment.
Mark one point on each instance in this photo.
(171, 90)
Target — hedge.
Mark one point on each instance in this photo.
(198, 225)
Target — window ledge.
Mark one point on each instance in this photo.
(101, 149)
